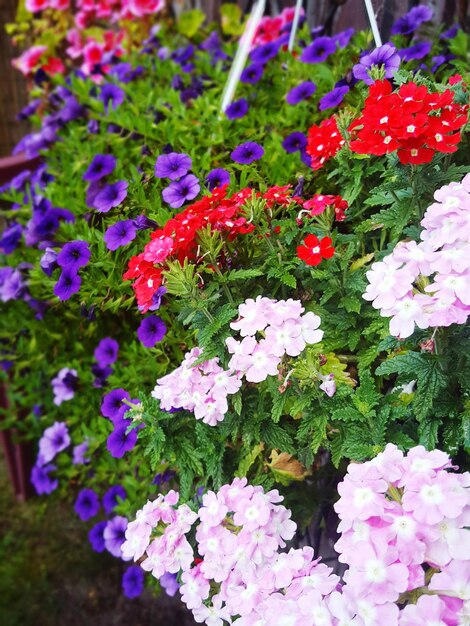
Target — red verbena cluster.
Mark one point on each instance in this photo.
(412, 121)
(323, 142)
(177, 240)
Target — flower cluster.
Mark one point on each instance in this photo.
(184, 186)
(320, 203)
(283, 328)
(324, 142)
(413, 122)
(114, 406)
(202, 389)
(271, 28)
(427, 284)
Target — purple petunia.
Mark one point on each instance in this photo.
(344, 37)
(409, 22)
(252, 74)
(42, 482)
(236, 110)
(109, 196)
(385, 57)
(112, 405)
(64, 385)
(169, 582)
(74, 255)
(54, 439)
(178, 192)
(95, 536)
(115, 534)
(173, 165)
(101, 375)
(133, 581)
(111, 95)
(119, 234)
(417, 51)
(333, 98)
(48, 261)
(151, 330)
(217, 177)
(120, 441)
(102, 165)
(112, 496)
(247, 152)
(301, 92)
(78, 454)
(10, 238)
(319, 50)
(68, 284)
(262, 54)
(294, 142)
(106, 351)
(87, 504)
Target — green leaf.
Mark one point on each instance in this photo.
(189, 22)
(276, 437)
(247, 459)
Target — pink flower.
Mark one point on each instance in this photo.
(29, 60)
(427, 611)
(157, 250)
(453, 580)
(140, 8)
(261, 364)
(195, 588)
(253, 316)
(213, 509)
(34, 6)
(431, 498)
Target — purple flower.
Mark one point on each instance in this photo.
(142, 222)
(178, 192)
(169, 583)
(93, 127)
(319, 50)
(120, 441)
(238, 108)
(79, 452)
(112, 405)
(64, 385)
(101, 375)
(87, 504)
(451, 33)
(101, 165)
(133, 581)
(106, 351)
(54, 439)
(160, 479)
(95, 536)
(385, 57)
(111, 94)
(173, 165)
(74, 255)
(109, 196)
(120, 234)
(344, 37)
(156, 299)
(10, 238)
(151, 330)
(112, 497)
(247, 152)
(333, 98)
(294, 142)
(68, 284)
(42, 482)
(263, 53)
(252, 74)
(217, 177)
(306, 158)
(301, 92)
(115, 534)
(409, 22)
(418, 51)
(48, 261)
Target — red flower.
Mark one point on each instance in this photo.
(319, 203)
(314, 250)
(323, 142)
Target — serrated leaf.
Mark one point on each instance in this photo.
(247, 460)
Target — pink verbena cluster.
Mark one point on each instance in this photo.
(427, 284)
(202, 389)
(281, 328)
(159, 533)
(403, 522)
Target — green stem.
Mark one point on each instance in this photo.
(225, 287)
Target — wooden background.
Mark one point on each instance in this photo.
(346, 13)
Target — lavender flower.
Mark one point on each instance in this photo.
(236, 110)
(48, 262)
(247, 152)
(120, 441)
(109, 196)
(319, 50)
(173, 165)
(115, 534)
(12, 286)
(409, 22)
(252, 74)
(385, 57)
(95, 536)
(112, 497)
(68, 284)
(64, 385)
(111, 95)
(120, 234)
(87, 504)
(102, 165)
(217, 177)
(169, 583)
(417, 51)
(133, 581)
(74, 255)
(333, 98)
(78, 454)
(151, 330)
(178, 192)
(54, 439)
(42, 482)
(112, 405)
(106, 351)
(294, 142)
(301, 92)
